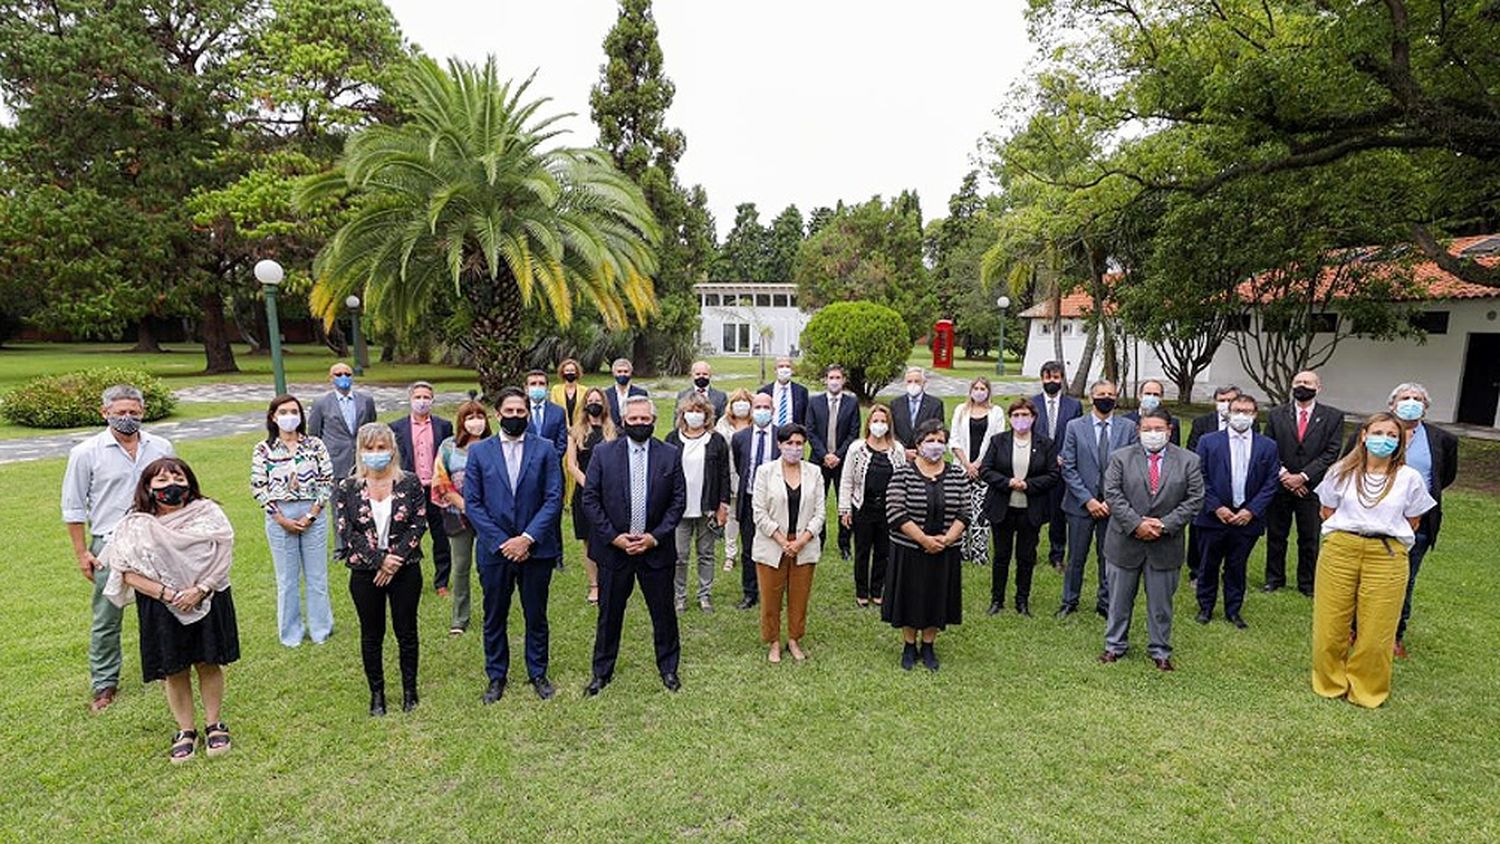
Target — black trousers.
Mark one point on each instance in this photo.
(831, 484)
(403, 593)
(1057, 528)
(442, 556)
(1194, 553)
(872, 550)
(500, 581)
(748, 583)
(616, 582)
(1013, 531)
(1284, 509)
(1224, 549)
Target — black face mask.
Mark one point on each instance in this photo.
(570, 377)
(1104, 405)
(594, 408)
(513, 426)
(1051, 388)
(701, 383)
(171, 494)
(1301, 393)
(639, 433)
(622, 380)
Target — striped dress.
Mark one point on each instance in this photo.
(921, 589)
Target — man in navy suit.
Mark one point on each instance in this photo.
(634, 495)
(513, 498)
(418, 436)
(1054, 410)
(616, 396)
(832, 426)
(1089, 442)
(545, 419)
(751, 447)
(788, 398)
(1240, 470)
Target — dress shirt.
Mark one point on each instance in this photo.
(832, 441)
(348, 408)
(914, 404)
(99, 484)
(1239, 465)
(1419, 454)
(422, 448)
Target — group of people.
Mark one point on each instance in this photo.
(915, 498)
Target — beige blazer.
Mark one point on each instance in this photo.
(768, 506)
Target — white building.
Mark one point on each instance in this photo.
(737, 318)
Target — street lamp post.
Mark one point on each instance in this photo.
(1003, 302)
(270, 275)
(361, 358)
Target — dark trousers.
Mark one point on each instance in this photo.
(1082, 529)
(1194, 553)
(403, 592)
(1286, 507)
(1414, 560)
(1057, 528)
(615, 585)
(442, 556)
(499, 580)
(1224, 548)
(748, 583)
(1014, 531)
(872, 550)
(831, 484)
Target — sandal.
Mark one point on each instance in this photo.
(216, 740)
(593, 596)
(184, 746)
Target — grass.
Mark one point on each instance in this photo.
(1021, 736)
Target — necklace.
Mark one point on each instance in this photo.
(1373, 489)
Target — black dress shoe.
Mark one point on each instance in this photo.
(1204, 616)
(909, 657)
(1269, 587)
(1102, 610)
(595, 686)
(1306, 593)
(377, 703)
(1023, 608)
(670, 680)
(543, 687)
(1238, 622)
(1164, 664)
(995, 608)
(1064, 611)
(929, 656)
(746, 603)
(494, 692)
(409, 699)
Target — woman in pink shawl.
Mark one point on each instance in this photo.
(170, 555)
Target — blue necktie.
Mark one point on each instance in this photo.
(760, 452)
(783, 414)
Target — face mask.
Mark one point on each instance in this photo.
(1380, 445)
(1223, 408)
(125, 425)
(375, 461)
(783, 374)
(1105, 405)
(878, 430)
(513, 426)
(343, 382)
(1051, 388)
(1410, 410)
(1020, 424)
(762, 417)
(622, 380)
(740, 409)
(932, 451)
(594, 408)
(1154, 440)
(1241, 421)
(913, 390)
(288, 422)
(701, 383)
(639, 433)
(835, 385)
(1301, 393)
(570, 377)
(693, 418)
(171, 494)
(791, 453)
(421, 407)
(979, 396)
(1150, 403)
(474, 425)
(536, 393)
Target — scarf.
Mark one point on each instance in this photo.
(190, 547)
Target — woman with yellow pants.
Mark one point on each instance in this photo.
(1371, 503)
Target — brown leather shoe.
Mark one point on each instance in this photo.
(1108, 657)
(1164, 664)
(102, 699)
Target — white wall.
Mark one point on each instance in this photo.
(785, 326)
(1040, 348)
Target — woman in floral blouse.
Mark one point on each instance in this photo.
(291, 476)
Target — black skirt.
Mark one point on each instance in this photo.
(168, 646)
(923, 590)
(580, 521)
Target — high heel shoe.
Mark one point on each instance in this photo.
(377, 704)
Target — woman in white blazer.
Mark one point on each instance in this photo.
(976, 423)
(788, 507)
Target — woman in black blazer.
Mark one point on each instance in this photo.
(1020, 478)
(705, 467)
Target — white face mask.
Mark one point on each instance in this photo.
(288, 422)
(474, 425)
(693, 418)
(783, 374)
(1154, 440)
(740, 408)
(913, 389)
(1241, 421)
(835, 385)
(1223, 407)
(878, 430)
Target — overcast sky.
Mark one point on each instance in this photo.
(804, 102)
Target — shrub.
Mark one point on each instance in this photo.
(870, 341)
(71, 400)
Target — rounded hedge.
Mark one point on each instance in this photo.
(71, 400)
(870, 341)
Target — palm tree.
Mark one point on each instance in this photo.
(469, 193)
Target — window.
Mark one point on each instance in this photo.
(736, 337)
(791, 300)
(747, 300)
(1046, 328)
(710, 300)
(778, 300)
(762, 300)
(1430, 322)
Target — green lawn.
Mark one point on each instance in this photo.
(1022, 736)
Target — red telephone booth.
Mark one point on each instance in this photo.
(942, 344)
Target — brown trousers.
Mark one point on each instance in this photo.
(796, 582)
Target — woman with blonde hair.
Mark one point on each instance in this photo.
(736, 418)
(704, 456)
(976, 421)
(594, 426)
(568, 393)
(471, 424)
(1371, 504)
(868, 467)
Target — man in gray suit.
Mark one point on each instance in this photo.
(336, 416)
(1153, 490)
(703, 376)
(1087, 444)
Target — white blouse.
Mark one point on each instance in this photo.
(381, 510)
(1407, 499)
(1020, 461)
(694, 454)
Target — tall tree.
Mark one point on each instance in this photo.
(870, 251)
(745, 253)
(946, 239)
(782, 242)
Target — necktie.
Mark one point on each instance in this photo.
(346, 404)
(833, 423)
(637, 490)
(1051, 419)
(1103, 450)
(1301, 424)
(1155, 472)
(1239, 466)
(513, 463)
(784, 407)
(760, 452)
(536, 419)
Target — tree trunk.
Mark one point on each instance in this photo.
(145, 337)
(387, 352)
(496, 334)
(643, 362)
(1085, 362)
(214, 330)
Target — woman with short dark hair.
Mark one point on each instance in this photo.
(787, 504)
(1020, 479)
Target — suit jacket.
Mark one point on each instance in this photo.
(1176, 438)
(1207, 424)
(901, 422)
(715, 469)
(799, 401)
(1127, 491)
(442, 429)
(1261, 479)
(535, 508)
(612, 398)
(326, 422)
(716, 397)
(742, 451)
(1444, 448)
(557, 395)
(552, 426)
(1319, 447)
(1068, 409)
(606, 502)
(355, 523)
(772, 512)
(1042, 476)
(1080, 460)
(846, 429)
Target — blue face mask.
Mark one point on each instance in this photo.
(622, 380)
(1150, 403)
(343, 382)
(1410, 410)
(1380, 445)
(375, 461)
(762, 416)
(536, 393)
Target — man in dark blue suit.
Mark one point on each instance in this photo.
(1240, 470)
(1054, 410)
(623, 370)
(1087, 445)
(634, 495)
(418, 436)
(750, 447)
(788, 398)
(832, 426)
(513, 498)
(545, 419)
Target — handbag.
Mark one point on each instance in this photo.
(454, 521)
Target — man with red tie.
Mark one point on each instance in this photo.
(1308, 436)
